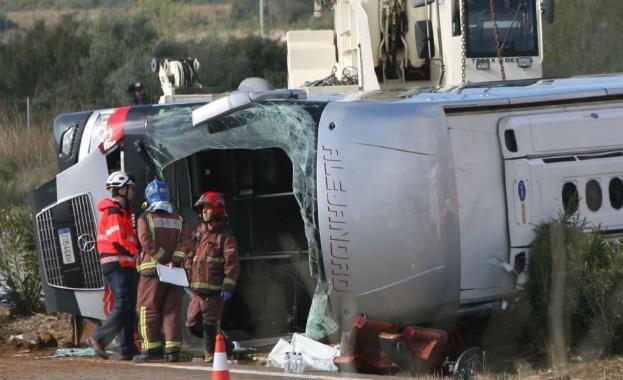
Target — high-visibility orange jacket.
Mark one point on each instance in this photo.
(117, 244)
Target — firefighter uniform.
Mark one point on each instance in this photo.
(165, 238)
(213, 267)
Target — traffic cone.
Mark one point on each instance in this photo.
(220, 367)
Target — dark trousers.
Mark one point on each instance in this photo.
(122, 319)
(204, 311)
(203, 317)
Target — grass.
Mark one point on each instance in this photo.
(27, 156)
(213, 18)
(26, 18)
(193, 21)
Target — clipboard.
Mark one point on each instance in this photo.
(175, 276)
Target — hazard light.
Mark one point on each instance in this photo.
(483, 64)
(524, 62)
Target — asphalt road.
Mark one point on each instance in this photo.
(22, 367)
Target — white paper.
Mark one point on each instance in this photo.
(175, 276)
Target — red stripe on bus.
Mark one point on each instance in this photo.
(115, 125)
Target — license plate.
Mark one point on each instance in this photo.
(67, 249)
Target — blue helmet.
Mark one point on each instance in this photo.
(157, 191)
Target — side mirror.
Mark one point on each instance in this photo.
(420, 3)
(547, 9)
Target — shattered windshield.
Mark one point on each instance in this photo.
(291, 126)
(516, 28)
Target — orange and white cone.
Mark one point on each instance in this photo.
(220, 367)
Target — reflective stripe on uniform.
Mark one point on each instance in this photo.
(146, 343)
(112, 259)
(147, 265)
(160, 223)
(112, 230)
(166, 223)
(180, 254)
(105, 237)
(158, 254)
(172, 344)
(204, 285)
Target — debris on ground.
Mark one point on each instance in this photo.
(315, 356)
(75, 352)
(31, 338)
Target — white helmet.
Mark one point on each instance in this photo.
(119, 179)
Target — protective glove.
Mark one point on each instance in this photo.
(225, 295)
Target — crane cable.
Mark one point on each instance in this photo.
(463, 32)
(497, 38)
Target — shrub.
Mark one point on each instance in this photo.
(18, 261)
(597, 304)
(591, 305)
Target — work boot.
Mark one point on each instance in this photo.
(99, 350)
(128, 355)
(144, 358)
(209, 358)
(173, 357)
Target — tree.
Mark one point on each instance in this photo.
(226, 64)
(38, 61)
(120, 54)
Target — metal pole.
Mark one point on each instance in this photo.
(262, 18)
(214, 8)
(28, 114)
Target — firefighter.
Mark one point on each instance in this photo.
(213, 269)
(165, 239)
(136, 92)
(117, 246)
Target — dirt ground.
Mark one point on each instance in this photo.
(24, 360)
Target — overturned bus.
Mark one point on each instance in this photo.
(412, 205)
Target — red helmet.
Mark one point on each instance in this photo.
(215, 200)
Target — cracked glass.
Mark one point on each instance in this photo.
(289, 125)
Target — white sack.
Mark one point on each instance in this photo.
(316, 356)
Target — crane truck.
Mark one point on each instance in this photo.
(393, 43)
